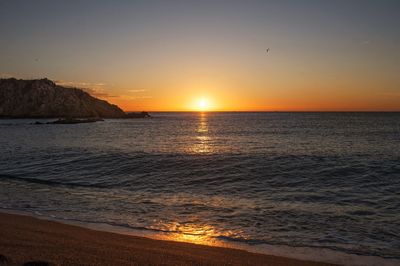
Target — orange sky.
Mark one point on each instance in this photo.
(169, 55)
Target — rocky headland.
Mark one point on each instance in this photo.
(42, 98)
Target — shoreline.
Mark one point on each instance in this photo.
(25, 238)
(300, 255)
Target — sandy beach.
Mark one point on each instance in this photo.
(24, 239)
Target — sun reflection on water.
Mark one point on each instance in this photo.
(203, 139)
(193, 233)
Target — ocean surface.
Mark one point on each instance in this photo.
(326, 181)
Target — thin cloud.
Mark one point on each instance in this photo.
(128, 97)
(99, 93)
(79, 84)
(137, 91)
(5, 75)
(94, 89)
(143, 97)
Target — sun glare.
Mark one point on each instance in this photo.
(203, 105)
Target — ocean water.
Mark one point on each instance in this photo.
(327, 181)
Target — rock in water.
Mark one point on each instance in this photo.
(43, 98)
(73, 121)
(138, 115)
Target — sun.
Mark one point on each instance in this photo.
(203, 105)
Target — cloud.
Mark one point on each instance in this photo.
(143, 97)
(79, 84)
(6, 75)
(129, 97)
(94, 89)
(137, 91)
(99, 93)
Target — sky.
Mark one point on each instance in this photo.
(171, 55)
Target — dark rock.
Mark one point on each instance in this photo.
(42, 98)
(74, 121)
(137, 115)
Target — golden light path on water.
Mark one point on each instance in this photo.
(194, 233)
(203, 139)
(197, 233)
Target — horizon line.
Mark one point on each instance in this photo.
(289, 111)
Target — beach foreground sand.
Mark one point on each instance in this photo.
(24, 239)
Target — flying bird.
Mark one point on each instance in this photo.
(267, 50)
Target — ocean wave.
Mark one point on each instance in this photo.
(312, 180)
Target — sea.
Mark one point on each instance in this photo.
(320, 186)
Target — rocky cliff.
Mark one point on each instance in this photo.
(43, 98)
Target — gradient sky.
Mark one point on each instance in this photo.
(167, 55)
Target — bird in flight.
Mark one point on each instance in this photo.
(267, 50)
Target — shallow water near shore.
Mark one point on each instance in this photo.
(311, 181)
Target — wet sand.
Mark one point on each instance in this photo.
(24, 239)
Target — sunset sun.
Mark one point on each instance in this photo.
(203, 105)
